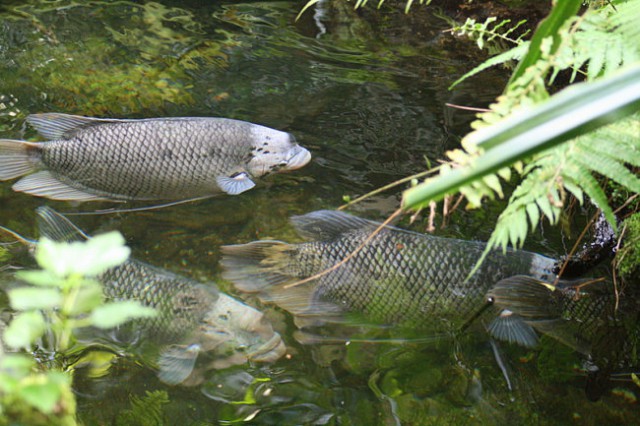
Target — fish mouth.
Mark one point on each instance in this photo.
(301, 156)
(269, 351)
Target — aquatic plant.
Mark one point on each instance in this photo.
(61, 298)
(145, 411)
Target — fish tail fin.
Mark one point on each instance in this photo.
(256, 266)
(17, 158)
(263, 267)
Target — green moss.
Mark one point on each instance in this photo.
(628, 257)
(555, 361)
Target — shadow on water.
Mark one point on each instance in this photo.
(366, 95)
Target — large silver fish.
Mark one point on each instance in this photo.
(192, 318)
(150, 159)
(398, 277)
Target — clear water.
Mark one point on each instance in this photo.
(366, 95)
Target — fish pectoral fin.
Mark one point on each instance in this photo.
(512, 328)
(54, 126)
(44, 184)
(176, 363)
(236, 183)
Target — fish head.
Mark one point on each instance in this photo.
(273, 151)
(233, 333)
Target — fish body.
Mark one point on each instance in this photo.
(395, 277)
(192, 318)
(149, 159)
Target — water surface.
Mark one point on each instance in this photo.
(366, 94)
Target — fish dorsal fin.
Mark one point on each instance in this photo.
(328, 224)
(235, 184)
(44, 184)
(57, 227)
(54, 126)
(176, 363)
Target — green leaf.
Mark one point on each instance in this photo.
(86, 258)
(597, 195)
(562, 11)
(534, 214)
(513, 54)
(89, 296)
(569, 113)
(40, 278)
(25, 328)
(116, 313)
(25, 298)
(16, 365)
(610, 168)
(44, 396)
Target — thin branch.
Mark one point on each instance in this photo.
(350, 256)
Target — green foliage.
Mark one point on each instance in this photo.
(491, 31)
(146, 411)
(595, 44)
(34, 398)
(62, 297)
(63, 293)
(628, 257)
(362, 3)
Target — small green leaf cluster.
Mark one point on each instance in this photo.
(64, 296)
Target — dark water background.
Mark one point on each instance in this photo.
(365, 93)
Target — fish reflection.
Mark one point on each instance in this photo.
(150, 159)
(194, 320)
(395, 277)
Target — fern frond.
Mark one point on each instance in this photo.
(514, 54)
(592, 188)
(609, 167)
(146, 411)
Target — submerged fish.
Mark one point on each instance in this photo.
(150, 159)
(585, 315)
(397, 277)
(193, 319)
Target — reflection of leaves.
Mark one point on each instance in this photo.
(146, 411)
(136, 59)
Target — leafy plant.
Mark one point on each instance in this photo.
(538, 134)
(62, 297)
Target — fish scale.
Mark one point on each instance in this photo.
(181, 303)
